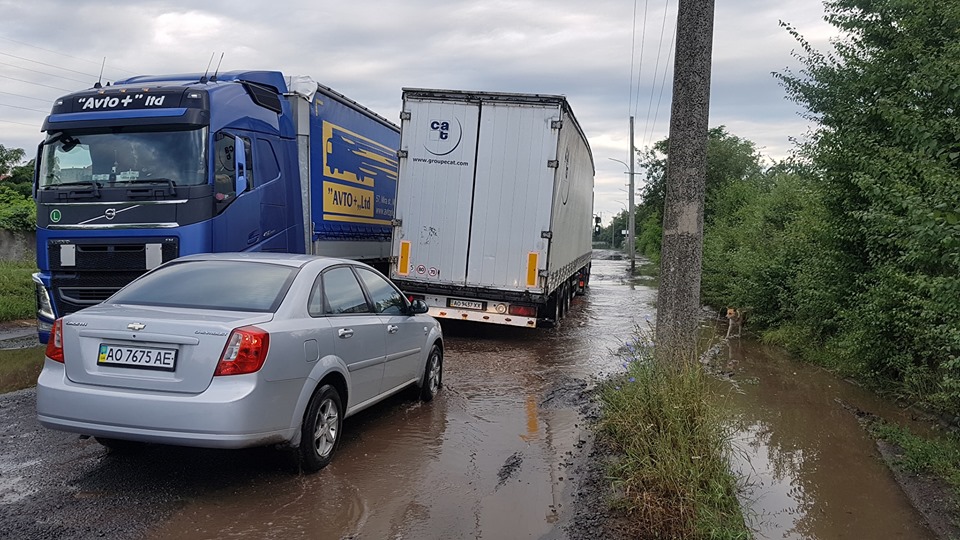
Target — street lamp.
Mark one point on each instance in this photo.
(631, 225)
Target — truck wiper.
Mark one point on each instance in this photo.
(95, 186)
(171, 185)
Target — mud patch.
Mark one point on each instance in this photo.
(565, 393)
(510, 468)
(593, 515)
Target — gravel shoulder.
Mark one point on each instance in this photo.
(18, 334)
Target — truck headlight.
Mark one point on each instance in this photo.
(44, 305)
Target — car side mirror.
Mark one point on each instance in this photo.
(418, 306)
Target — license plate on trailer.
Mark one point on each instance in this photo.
(466, 304)
(137, 357)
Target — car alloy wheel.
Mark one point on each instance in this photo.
(433, 374)
(320, 432)
(328, 427)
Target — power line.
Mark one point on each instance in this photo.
(27, 97)
(643, 40)
(36, 83)
(24, 108)
(97, 63)
(41, 72)
(656, 69)
(18, 123)
(663, 83)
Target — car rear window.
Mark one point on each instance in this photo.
(226, 285)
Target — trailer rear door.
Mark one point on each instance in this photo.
(513, 195)
(435, 190)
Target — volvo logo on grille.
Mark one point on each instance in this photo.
(135, 326)
(110, 213)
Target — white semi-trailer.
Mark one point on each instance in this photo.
(494, 206)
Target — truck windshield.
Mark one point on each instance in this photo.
(125, 157)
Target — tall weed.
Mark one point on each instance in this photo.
(673, 471)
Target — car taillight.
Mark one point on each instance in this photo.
(245, 351)
(523, 311)
(55, 342)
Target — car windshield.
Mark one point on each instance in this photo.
(224, 285)
(125, 157)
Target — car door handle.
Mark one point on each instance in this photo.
(345, 333)
(392, 328)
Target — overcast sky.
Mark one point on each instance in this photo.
(591, 51)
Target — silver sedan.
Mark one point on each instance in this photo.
(238, 350)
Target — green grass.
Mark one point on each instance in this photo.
(672, 469)
(939, 456)
(19, 368)
(17, 299)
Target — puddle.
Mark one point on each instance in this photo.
(812, 471)
(490, 456)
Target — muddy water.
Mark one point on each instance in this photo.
(812, 471)
(489, 458)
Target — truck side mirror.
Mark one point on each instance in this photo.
(240, 164)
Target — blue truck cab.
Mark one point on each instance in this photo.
(135, 174)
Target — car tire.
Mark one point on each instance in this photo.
(320, 432)
(432, 375)
(119, 446)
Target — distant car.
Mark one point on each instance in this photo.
(238, 350)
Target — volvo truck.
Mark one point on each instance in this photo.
(137, 173)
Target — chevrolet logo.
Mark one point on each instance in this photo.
(135, 326)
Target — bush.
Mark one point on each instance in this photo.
(17, 296)
(17, 213)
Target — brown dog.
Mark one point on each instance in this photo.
(735, 317)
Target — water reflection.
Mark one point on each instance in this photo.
(813, 473)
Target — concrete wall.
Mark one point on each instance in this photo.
(18, 246)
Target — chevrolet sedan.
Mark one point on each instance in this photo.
(238, 350)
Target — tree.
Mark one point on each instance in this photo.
(729, 159)
(17, 210)
(9, 157)
(887, 156)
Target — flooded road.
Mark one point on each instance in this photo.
(812, 471)
(489, 458)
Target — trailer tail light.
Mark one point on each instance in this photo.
(412, 297)
(523, 311)
(245, 351)
(55, 343)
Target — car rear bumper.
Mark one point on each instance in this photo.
(230, 413)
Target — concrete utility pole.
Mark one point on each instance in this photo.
(681, 258)
(632, 225)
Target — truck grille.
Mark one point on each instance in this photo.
(99, 270)
(113, 256)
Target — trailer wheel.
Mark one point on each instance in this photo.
(555, 307)
(567, 296)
